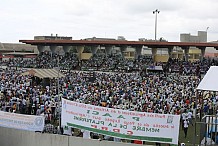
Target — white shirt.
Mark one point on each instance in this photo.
(67, 130)
(86, 134)
(185, 124)
(189, 115)
(184, 116)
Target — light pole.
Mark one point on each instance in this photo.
(156, 12)
(59, 100)
(206, 33)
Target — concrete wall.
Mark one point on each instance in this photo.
(86, 56)
(13, 137)
(17, 47)
(161, 58)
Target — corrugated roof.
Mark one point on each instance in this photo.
(44, 73)
(118, 43)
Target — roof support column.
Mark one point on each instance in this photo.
(94, 49)
(186, 50)
(138, 51)
(66, 49)
(122, 49)
(202, 52)
(53, 49)
(154, 53)
(80, 51)
(108, 50)
(170, 51)
(41, 48)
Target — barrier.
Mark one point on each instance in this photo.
(14, 137)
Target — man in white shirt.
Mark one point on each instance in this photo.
(86, 134)
(190, 117)
(67, 131)
(185, 127)
(184, 117)
(117, 139)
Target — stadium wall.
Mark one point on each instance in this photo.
(13, 137)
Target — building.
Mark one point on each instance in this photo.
(56, 37)
(194, 53)
(200, 38)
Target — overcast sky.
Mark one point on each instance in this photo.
(133, 19)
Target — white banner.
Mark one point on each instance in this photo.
(21, 121)
(152, 127)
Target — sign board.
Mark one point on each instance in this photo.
(155, 68)
(123, 124)
(21, 121)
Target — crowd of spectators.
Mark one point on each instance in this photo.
(110, 63)
(125, 87)
(68, 61)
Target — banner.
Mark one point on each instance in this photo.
(21, 121)
(123, 124)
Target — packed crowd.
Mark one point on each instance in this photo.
(111, 63)
(165, 93)
(45, 60)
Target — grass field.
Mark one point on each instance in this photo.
(191, 138)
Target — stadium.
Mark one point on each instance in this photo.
(59, 91)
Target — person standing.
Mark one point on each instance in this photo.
(86, 134)
(185, 127)
(190, 117)
(184, 117)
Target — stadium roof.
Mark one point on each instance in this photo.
(158, 44)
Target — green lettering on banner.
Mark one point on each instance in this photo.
(107, 114)
(124, 136)
(148, 129)
(123, 126)
(95, 113)
(94, 122)
(89, 120)
(156, 130)
(110, 124)
(121, 116)
(102, 122)
(152, 130)
(139, 128)
(135, 118)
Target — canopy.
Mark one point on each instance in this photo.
(44, 73)
(210, 80)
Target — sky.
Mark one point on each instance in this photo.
(133, 19)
